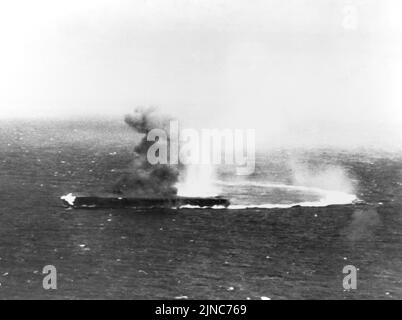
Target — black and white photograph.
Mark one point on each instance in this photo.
(177, 151)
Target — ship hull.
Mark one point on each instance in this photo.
(85, 202)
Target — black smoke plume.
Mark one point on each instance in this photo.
(143, 179)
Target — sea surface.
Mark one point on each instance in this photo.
(294, 224)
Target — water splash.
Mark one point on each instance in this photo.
(199, 181)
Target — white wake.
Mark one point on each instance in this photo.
(326, 197)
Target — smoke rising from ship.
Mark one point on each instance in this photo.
(143, 178)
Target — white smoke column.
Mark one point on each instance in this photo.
(198, 181)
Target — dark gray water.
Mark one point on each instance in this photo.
(209, 254)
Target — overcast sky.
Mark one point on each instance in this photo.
(292, 69)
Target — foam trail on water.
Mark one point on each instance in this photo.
(198, 207)
(328, 197)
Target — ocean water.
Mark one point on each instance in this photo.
(289, 233)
